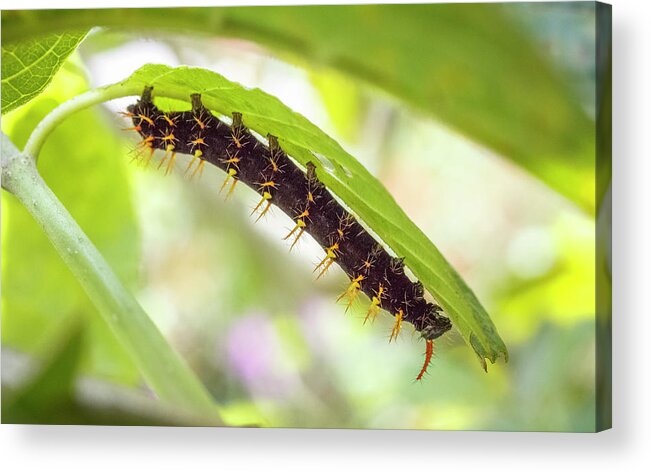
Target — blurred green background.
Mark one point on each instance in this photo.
(269, 342)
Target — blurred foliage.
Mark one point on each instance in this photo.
(48, 395)
(270, 343)
(28, 66)
(343, 100)
(57, 392)
(469, 65)
(78, 162)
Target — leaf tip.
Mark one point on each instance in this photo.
(492, 356)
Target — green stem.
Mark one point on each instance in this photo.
(164, 371)
(78, 103)
(85, 100)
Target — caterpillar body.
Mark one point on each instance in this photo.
(278, 180)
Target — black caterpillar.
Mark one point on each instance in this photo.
(270, 172)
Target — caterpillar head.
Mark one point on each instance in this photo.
(435, 324)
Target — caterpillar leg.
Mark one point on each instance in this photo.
(266, 197)
(170, 164)
(232, 167)
(374, 309)
(230, 190)
(230, 175)
(199, 168)
(139, 152)
(265, 188)
(300, 227)
(195, 156)
(148, 157)
(169, 139)
(324, 265)
(162, 161)
(263, 212)
(396, 327)
(352, 292)
(169, 153)
(145, 144)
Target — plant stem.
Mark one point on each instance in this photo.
(85, 100)
(164, 371)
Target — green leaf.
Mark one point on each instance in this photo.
(344, 176)
(35, 306)
(28, 66)
(343, 101)
(50, 392)
(469, 65)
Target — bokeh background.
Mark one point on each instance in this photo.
(268, 340)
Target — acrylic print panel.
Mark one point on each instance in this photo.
(364, 216)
